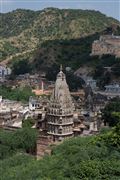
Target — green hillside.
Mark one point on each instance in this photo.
(75, 53)
(72, 52)
(15, 22)
(23, 31)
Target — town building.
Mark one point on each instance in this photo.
(34, 103)
(112, 88)
(111, 91)
(4, 71)
(10, 112)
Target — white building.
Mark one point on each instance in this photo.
(111, 91)
(34, 103)
(112, 88)
(5, 71)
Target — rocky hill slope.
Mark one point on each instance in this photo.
(25, 30)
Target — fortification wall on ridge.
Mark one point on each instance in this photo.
(106, 45)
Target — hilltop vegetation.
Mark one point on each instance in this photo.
(24, 30)
(56, 36)
(53, 22)
(15, 22)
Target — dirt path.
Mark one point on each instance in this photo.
(4, 62)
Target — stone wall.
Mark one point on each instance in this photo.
(43, 146)
(106, 45)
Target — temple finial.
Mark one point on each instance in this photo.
(61, 68)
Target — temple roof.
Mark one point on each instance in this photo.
(61, 95)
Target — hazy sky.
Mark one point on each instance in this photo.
(108, 7)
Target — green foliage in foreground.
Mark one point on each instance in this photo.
(111, 137)
(21, 140)
(18, 94)
(85, 158)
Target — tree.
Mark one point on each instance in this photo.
(52, 72)
(73, 81)
(23, 139)
(21, 67)
(29, 122)
(115, 137)
(18, 94)
(110, 112)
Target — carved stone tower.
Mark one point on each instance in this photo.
(60, 110)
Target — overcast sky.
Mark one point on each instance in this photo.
(108, 7)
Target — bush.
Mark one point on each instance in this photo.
(110, 112)
(27, 123)
(76, 158)
(20, 140)
(18, 94)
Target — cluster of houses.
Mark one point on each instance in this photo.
(90, 99)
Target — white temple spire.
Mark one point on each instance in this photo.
(60, 110)
(61, 68)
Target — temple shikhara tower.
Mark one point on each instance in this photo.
(62, 119)
(60, 110)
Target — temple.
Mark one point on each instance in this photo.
(60, 110)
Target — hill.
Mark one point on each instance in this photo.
(23, 31)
